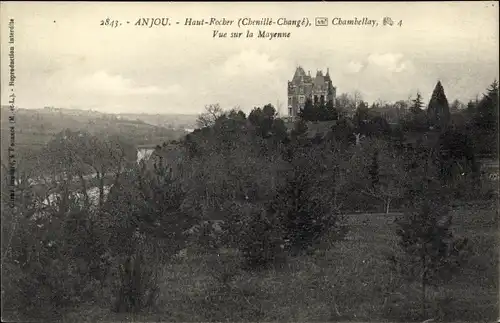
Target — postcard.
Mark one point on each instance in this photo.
(249, 161)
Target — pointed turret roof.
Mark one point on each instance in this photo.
(327, 76)
(299, 74)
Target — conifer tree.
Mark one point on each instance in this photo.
(438, 110)
(430, 254)
(331, 112)
(417, 104)
(485, 122)
(307, 113)
(417, 118)
(471, 106)
(487, 108)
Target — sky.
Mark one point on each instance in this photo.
(64, 58)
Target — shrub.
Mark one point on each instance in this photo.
(137, 285)
(304, 214)
(46, 274)
(256, 233)
(262, 243)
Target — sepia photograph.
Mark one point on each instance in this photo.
(249, 161)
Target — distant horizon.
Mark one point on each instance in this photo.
(6, 106)
(426, 99)
(424, 107)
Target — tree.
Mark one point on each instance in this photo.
(266, 123)
(211, 114)
(456, 106)
(300, 128)
(369, 122)
(144, 214)
(79, 159)
(487, 108)
(457, 160)
(269, 111)
(263, 119)
(22, 182)
(303, 202)
(471, 107)
(330, 112)
(402, 108)
(318, 111)
(391, 112)
(482, 123)
(357, 97)
(379, 126)
(417, 104)
(430, 254)
(347, 103)
(260, 235)
(385, 179)
(362, 114)
(308, 112)
(438, 110)
(417, 119)
(343, 132)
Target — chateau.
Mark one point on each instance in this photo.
(303, 86)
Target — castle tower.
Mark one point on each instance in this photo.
(319, 89)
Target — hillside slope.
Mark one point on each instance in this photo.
(36, 127)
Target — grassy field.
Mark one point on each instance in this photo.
(347, 281)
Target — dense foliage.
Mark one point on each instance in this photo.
(268, 190)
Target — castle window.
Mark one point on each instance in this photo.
(289, 100)
(301, 99)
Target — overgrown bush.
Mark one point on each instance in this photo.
(303, 206)
(137, 285)
(257, 234)
(46, 272)
(261, 243)
(147, 229)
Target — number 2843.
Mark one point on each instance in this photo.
(109, 22)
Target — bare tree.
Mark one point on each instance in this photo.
(211, 114)
(357, 97)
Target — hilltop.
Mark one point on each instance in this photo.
(35, 127)
(175, 121)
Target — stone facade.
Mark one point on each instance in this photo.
(304, 86)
